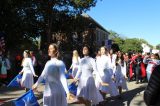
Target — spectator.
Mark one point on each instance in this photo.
(4, 67)
(151, 62)
(152, 91)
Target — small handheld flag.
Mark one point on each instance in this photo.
(69, 74)
(16, 81)
(73, 88)
(28, 99)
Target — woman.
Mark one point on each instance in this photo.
(87, 91)
(151, 61)
(27, 71)
(55, 81)
(4, 68)
(113, 57)
(105, 69)
(120, 73)
(75, 63)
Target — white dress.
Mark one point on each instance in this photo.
(28, 72)
(55, 83)
(120, 75)
(86, 86)
(75, 66)
(106, 72)
(113, 62)
(34, 61)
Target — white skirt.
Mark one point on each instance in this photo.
(121, 81)
(74, 71)
(27, 80)
(54, 95)
(87, 90)
(111, 89)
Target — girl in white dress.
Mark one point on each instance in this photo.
(75, 63)
(120, 73)
(106, 72)
(87, 91)
(27, 71)
(113, 57)
(55, 81)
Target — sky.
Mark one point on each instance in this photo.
(130, 18)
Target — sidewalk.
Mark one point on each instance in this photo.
(133, 97)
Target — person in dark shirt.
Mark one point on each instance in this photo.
(152, 91)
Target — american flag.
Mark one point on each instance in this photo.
(2, 43)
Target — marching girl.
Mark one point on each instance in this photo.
(86, 90)
(120, 73)
(75, 63)
(27, 71)
(106, 73)
(113, 57)
(55, 81)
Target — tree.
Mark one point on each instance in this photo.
(23, 20)
(158, 46)
(113, 34)
(133, 44)
(127, 44)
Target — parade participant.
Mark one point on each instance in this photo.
(75, 63)
(55, 81)
(87, 91)
(120, 73)
(151, 62)
(113, 57)
(27, 71)
(34, 61)
(105, 69)
(98, 55)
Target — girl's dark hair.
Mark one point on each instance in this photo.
(121, 58)
(28, 52)
(86, 46)
(157, 56)
(89, 49)
(106, 50)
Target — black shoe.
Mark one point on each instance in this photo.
(120, 97)
(101, 103)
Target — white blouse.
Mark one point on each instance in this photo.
(28, 66)
(54, 72)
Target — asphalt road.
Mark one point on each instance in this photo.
(132, 97)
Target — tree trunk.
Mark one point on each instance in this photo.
(50, 21)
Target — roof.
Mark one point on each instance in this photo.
(95, 22)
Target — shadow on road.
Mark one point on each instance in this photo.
(8, 96)
(126, 98)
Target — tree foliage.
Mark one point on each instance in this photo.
(127, 44)
(158, 46)
(25, 20)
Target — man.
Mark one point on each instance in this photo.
(152, 92)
